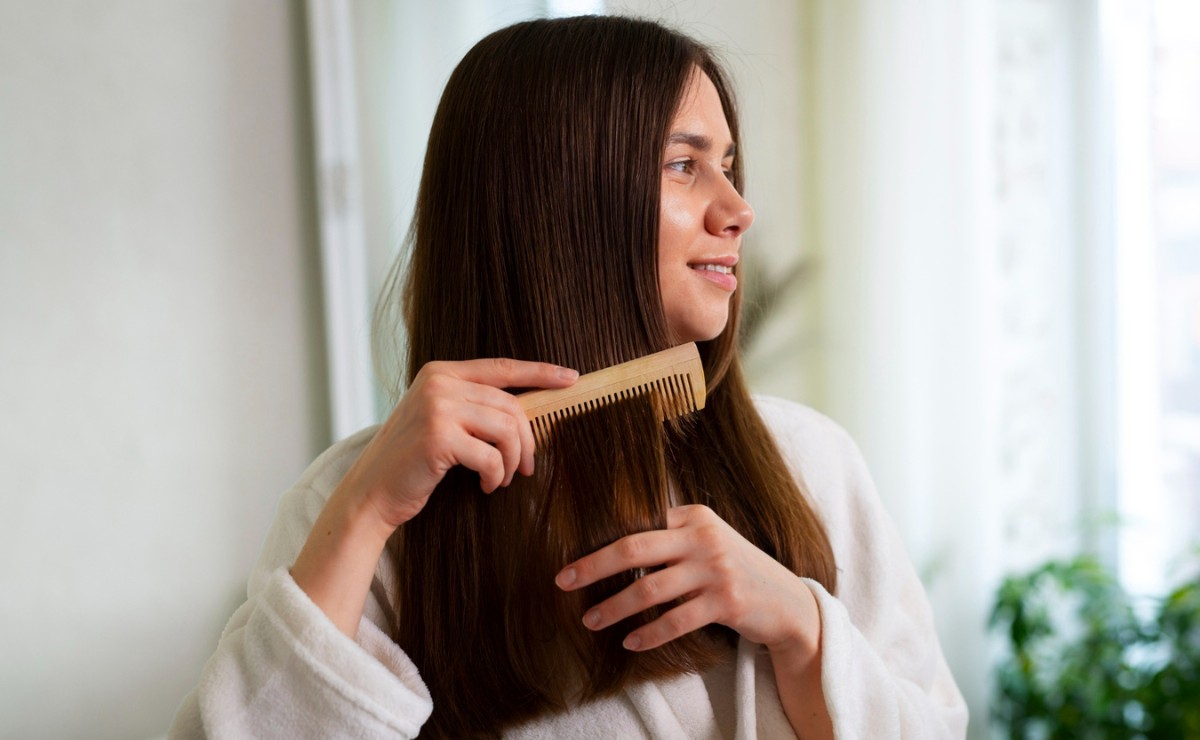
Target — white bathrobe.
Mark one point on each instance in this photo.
(282, 670)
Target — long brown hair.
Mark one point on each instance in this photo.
(535, 237)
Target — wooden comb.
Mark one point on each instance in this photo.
(674, 378)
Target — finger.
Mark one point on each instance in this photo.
(681, 516)
(500, 429)
(474, 453)
(508, 403)
(528, 443)
(504, 372)
(656, 588)
(687, 617)
(438, 383)
(641, 550)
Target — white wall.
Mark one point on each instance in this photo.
(161, 377)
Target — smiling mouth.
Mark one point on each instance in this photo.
(719, 275)
(723, 269)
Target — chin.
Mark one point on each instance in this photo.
(700, 332)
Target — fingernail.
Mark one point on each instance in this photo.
(567, 373)
(633, 642)
(592, 618)
(566, 578)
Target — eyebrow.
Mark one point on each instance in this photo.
(697, 141)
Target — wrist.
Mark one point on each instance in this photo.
(362, 518)
(796, 661)
(354, 512)
(339, 559)
(798, 648)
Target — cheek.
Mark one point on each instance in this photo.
(676, 223)
(674, 212)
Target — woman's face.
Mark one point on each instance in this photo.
(701, 216)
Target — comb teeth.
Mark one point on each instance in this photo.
(673, 378)
(671, 397)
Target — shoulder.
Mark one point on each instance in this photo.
(299, 506)
(325, 472)
(806, 437)
(827, 462)
(790, 419)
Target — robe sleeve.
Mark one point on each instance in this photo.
(883, 672)
(282, 669)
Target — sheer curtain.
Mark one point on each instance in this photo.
(961, 265)
(909, 291)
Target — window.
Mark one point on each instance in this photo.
(1153, 55)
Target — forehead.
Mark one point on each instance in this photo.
(700, 110)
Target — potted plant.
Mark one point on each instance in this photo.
(1083, 660)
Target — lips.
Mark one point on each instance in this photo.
(718, 271)
(723, 260)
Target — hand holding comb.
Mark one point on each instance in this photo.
(675, 376)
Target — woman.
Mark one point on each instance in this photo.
(728, 574)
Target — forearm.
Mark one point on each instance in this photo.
(339, 558)
(797, 668)
(454, 413)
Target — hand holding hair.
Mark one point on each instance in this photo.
(454, 413)
(723, 579)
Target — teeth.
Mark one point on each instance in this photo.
(715, 268)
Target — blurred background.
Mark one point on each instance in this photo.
(977, 247)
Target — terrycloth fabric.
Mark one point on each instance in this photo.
(283, 670)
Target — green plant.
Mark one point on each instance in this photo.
(1083, 662)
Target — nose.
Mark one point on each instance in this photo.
(728, 214)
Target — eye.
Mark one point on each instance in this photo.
(684, 166)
